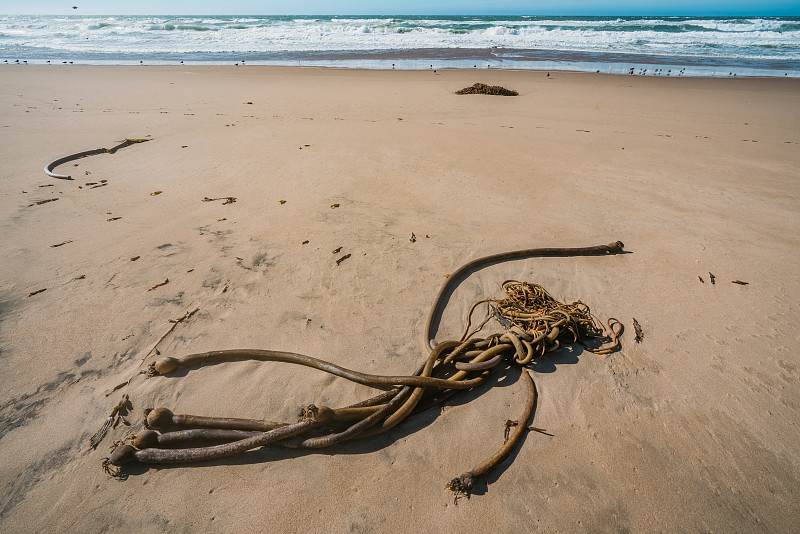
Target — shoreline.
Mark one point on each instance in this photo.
(677, 69)
(696, 176)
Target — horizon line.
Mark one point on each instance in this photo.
(714, 14)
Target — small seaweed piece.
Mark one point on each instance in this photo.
(40, 202)
(32, 293)
(228, 200)
(711, 275)
(116, 414)
(165, 282)
(638, 329)
(340, 260)
(739, 282)
(113, 471)
(61, 244)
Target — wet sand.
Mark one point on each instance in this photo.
(693, 428)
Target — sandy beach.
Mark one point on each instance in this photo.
(695, 428)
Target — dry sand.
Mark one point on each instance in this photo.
(694, 428)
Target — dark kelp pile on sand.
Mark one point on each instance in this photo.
(533, 323)
(483, 89)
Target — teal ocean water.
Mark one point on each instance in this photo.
(687, 46)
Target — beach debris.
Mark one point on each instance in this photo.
(336, 250)
(638, 329)
(227, 200)
(154, 193)
(712, 277)
(48, 185)
(48, 169)
(188, 314)
(32, 293)
(99, 185)
(483, 89)
(533, 322)
(222, 219)
(113, 219)
(81, 277)
(154, 348)
(739, 282)
(61, 244)
(40, 202)
(304, 242)
(413, 238)
(701, 279)
(282, 201)
(117, 414)
(165, 282)
(463, 484)
(335, 205)
(340, 260)
(135, 258)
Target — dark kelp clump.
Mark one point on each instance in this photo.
(483, 89)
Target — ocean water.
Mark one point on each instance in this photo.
(685, 46)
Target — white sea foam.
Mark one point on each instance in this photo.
(217, 38)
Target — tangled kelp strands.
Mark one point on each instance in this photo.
(534, 323)
(483, 89)
(540, 323)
